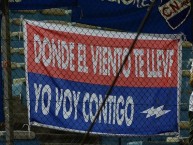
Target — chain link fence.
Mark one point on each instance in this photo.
(74, 83)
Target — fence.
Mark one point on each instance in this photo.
(61, 73)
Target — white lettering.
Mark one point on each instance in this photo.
(59, 99)
(46, 91)
(85, 115)
(76, 97)
(130, 102)
(45, 60)
(37, 94)
(82, 58)
(38, 54)
(67, 110)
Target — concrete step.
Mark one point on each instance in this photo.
(181, 140)
(19, 81)
(66, 144)
(184, 125)
(17, 50)
(152, 143)
(26, 11)
(18, 134)
(56, 12)
(22, 142)
(16, 65)
(65, 138)
(16, 34)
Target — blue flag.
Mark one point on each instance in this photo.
(167, 17)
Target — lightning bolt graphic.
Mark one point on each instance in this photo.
(155, 111)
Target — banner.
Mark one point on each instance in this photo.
(167, 16)
(70, 69)
(40, 4)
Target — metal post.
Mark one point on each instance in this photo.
(191, 19)
(6, 64)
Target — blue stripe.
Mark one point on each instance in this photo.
(143, 98)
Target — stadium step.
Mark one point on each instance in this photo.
(153, 143)
(64, 144)
(18, 134)
(27, 11)
(65, 138)
(161, 143)
(181, 140)
(184, 125)
(17, 50)
(22, 142)
(56, 12)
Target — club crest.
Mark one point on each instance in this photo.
(175, 12)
